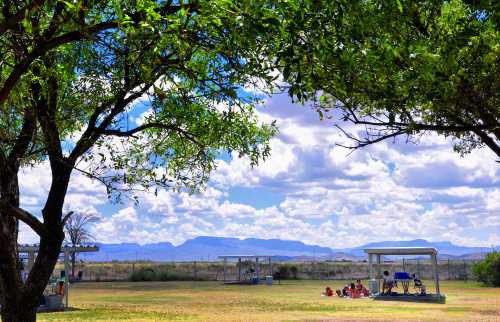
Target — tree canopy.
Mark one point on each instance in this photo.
(135, 94)
(187, 61)
(400, 68)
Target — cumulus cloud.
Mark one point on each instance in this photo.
(330, 196)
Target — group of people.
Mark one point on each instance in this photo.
(389, 283)
(351, 290)
(357, 290)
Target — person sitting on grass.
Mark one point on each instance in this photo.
(361, 288)
(344, 292)
(328, 291)
(388, 284)
(353, 292)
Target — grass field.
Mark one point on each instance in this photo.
(290, 301)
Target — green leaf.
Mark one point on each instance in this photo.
(400, 6)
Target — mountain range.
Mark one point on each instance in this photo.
(209, 248)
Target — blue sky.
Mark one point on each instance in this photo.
(309, 189)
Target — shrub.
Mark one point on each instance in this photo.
(143, 275)
(286, 272)
(294, 271)
(487, 271)
(282, 273)
(149, 275)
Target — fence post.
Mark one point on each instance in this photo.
(465, 271)
(449, 269)
(195, 273)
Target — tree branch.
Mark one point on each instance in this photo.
(54, 23)
(12, 21)
(365, 142)
(66, 217)
(157, 125)
(44, 47)
(46, 112)
(92, 133)
(494, 146)
(24, 138)
(425, 127)
(24, 216)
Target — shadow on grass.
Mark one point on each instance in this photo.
(111, 314)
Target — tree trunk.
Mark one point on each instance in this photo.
(20, 301)
(18, 312)
(11, 285)
(14, 308)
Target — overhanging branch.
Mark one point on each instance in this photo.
(155, 125)
(378, 129)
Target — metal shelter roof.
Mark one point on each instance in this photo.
(65, 248)
(401, 251)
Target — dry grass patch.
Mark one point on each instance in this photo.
(290, 301)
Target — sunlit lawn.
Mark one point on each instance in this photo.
(292, 300)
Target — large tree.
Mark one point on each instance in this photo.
(135, 94)
(398, 67)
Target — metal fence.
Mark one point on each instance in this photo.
(213, 271)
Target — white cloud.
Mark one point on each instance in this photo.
(328, 195)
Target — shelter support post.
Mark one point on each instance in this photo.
(257, 268)
(239, 269)
(224, 270)
(436, 274)
(370, 266)
(31, 261)
(379, 268)
(66, 278)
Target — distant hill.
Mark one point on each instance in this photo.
(443, 247)
(130, 252)
(216, 246)
(209, 248)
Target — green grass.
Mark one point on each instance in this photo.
(290, 301)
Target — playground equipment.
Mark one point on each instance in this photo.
(377, 253)
(251, 275)
(59, 287)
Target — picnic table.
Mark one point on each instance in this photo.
(404, 278)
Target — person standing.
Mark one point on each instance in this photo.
(388, 284)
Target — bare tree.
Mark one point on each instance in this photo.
(77, 232)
